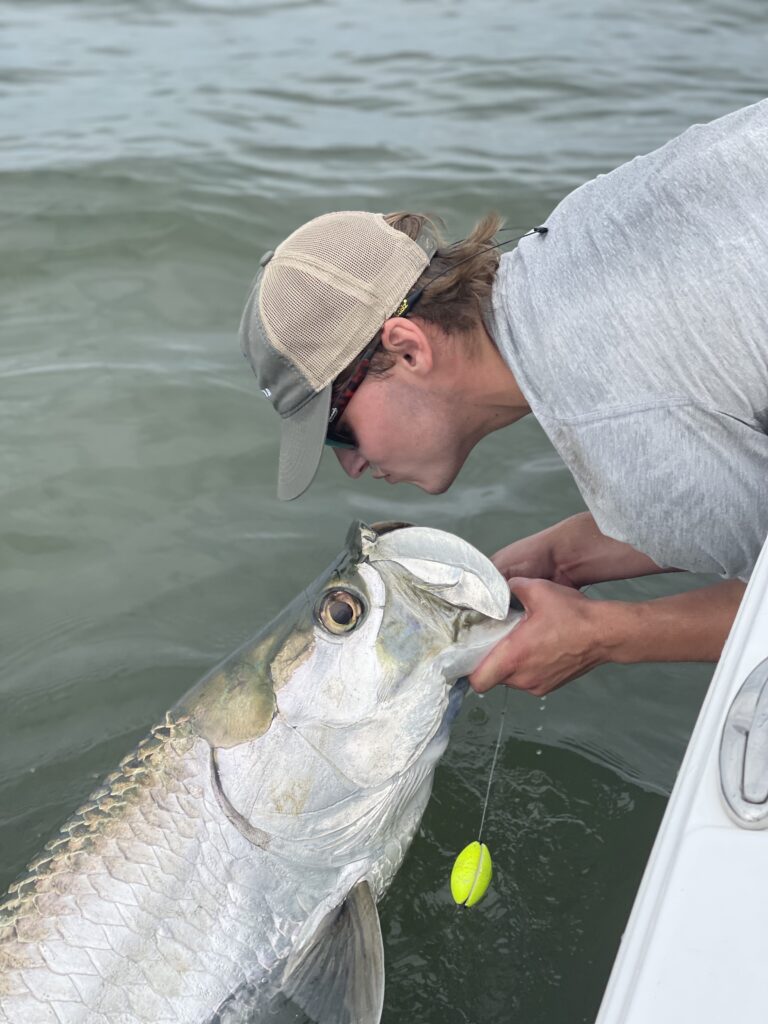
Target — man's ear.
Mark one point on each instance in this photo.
(408, 342)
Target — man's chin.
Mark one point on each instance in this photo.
(429, 487)
(435, 486)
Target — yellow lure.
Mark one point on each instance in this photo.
(471, 875)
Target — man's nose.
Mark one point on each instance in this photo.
(352, 462)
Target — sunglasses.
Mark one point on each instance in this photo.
(341, 394)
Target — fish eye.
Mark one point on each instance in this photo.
(340, 611)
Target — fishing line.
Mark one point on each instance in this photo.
(472, 869)
(493, 762)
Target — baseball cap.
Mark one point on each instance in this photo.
(315, 304)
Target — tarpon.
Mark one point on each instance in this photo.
(232, 863)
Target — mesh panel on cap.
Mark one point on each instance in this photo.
(306, 331)
(357, 243)
(331, 285)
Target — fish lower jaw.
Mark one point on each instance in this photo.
(469, 652)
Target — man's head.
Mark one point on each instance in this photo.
(336, 288)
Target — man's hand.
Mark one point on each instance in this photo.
(533, 557)
(573, 553)
(559, 639)
(565, 634)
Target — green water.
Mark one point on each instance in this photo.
(151, 151)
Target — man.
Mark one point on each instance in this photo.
(633, 326)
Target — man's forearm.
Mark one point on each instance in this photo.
(584, 555)
(683, 627)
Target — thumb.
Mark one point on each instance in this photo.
(521, 588)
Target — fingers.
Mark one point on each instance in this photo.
(530, 556)
(493, 669)
(524, 589)
(498, 665)
(511, 567)
(556, 641)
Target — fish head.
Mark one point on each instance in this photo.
(354, 684)
(403, 613)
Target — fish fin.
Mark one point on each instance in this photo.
(338, 976)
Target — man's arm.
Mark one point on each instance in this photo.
(574, 553)
(683, 627)
(565, 634)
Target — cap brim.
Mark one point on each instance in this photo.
(301, 445)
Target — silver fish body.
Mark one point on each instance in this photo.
(231, 865)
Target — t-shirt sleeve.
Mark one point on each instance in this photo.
(686, 485)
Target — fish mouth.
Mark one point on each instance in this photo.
(455, 700)
(456, 696)
(389, 526)
(447, 566)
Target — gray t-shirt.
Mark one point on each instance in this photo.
(637, 329)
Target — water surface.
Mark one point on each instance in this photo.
(150, 152)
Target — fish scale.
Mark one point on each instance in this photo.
(106, 914)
